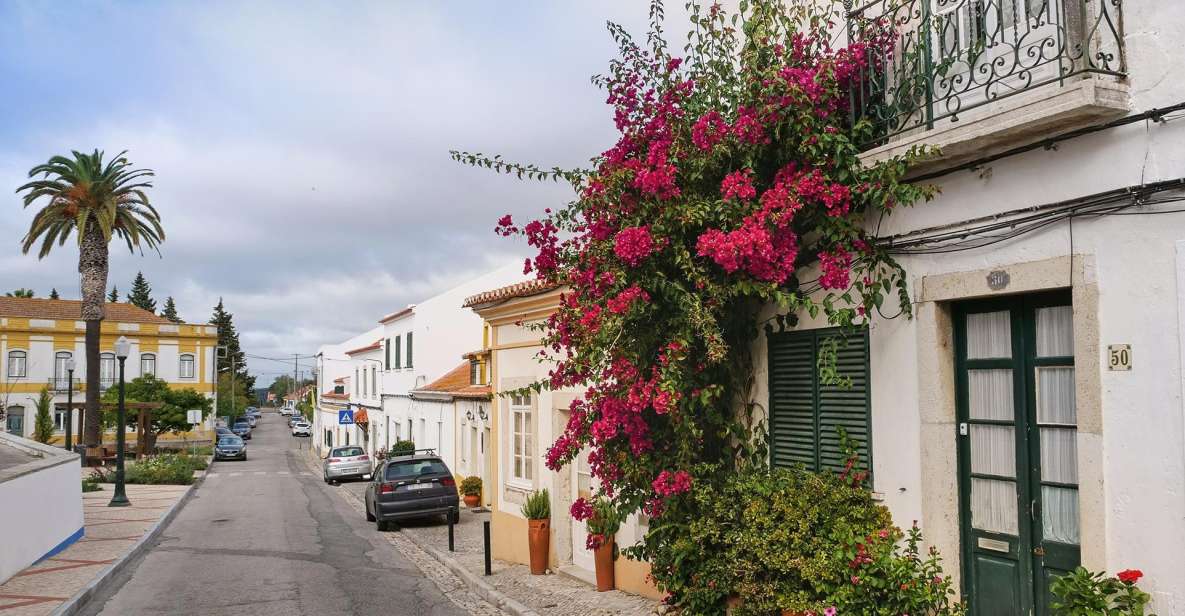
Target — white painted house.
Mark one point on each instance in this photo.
(1030, 414)
(336, 370)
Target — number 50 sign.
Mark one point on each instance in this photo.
(1119, 356)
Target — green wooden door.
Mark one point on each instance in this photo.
(1017, 428)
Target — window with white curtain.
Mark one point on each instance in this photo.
(1057, 421)
(522, 435)
(186, 366)
(147, 364)
(17, 368)
(106, 369)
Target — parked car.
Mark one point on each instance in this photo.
(230, 448)
(222, 431)
(251, 420)
(349, 462)
(254, 412)
(242, 429)
(294, 419)
(409, 487)
(302, 428)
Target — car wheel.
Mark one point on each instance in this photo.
(369, 515)
(380, 526)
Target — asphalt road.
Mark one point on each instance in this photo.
(272, 539)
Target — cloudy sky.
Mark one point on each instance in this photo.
(301, 149)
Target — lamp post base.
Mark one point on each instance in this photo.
(119, 500)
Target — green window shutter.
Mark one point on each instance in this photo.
(409, 349)
(398, 349)
(805, 412)
(792, 374)
(387, 357)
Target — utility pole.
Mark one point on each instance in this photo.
(295, 365)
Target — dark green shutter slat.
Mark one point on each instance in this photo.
(804, 413)
(409, 349)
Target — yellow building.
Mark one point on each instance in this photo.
(522, 427)
(39, 338)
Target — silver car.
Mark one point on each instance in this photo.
(346, 463)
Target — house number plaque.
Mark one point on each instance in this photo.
(998, 280)
(1119, 357)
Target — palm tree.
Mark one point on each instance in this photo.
(94, 201)
(26, 293)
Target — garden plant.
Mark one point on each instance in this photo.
(735, 184)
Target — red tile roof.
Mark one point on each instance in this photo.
(399, 313)
(456, 383)
(526, 288)
(335, 396)
(374, 346)
(71, 309)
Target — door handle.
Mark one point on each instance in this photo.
(1039, 551)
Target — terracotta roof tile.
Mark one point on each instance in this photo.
(335, 396)
(456, 383)
(398, 313)
(71, 309)
(374, 346)
(526, 288)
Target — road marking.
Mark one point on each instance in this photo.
(235, 474)
(305, 474)
(282, 473)
(260, 472)
(211, 475)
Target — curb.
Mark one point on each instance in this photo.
(107, 575)
(480, 587)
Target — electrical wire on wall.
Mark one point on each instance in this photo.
(986, 231)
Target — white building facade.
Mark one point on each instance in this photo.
(1030, 415)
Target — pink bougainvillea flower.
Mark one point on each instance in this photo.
(633, 245)
(738, 185)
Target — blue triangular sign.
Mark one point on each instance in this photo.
(345, 417)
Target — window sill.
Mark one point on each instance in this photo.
(1015, 121)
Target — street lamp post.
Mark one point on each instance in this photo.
(69, 402)
(120, 499)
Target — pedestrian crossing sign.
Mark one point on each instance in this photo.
(345, 417)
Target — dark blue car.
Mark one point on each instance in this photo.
(230, 448)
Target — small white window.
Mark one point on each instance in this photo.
(523, 447)
(106, 370)
(16, 364)
(147, 364)
(187, 366)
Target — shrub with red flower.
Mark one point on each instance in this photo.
(735, 182)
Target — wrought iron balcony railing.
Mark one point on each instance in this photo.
(61, 385)
(951, 56)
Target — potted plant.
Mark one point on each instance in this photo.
(402, 448)
(537, 510)
(471, 491)
(602, 526)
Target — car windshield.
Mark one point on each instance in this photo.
(346, 452)
(231, 441)
(414, 468)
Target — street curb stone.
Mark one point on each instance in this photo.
(75, 604)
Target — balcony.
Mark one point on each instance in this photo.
(60, 385)
(975, 77)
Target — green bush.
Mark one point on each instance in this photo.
(788, 540)
(538, 505)
(91, 484)
(163, 469)
(471, 486)
(1082, 593)
(402, 448)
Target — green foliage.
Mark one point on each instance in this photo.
(164, 469)
(141, 295)
(43, 424)
(85, 193)
(403, 448)
(170, 310)
(170, 417)
(605, 521)
(1083, 593)
(232, 395)
(537, 505)
(53, 293)
(26, 293)
(888, 578)
(471, 486)
(228, 337)
(91, 484)
(113, 296)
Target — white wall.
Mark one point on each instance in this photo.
(41, 509)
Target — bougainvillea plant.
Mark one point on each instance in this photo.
(736, 183)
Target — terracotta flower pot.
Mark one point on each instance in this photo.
(603, 556)
(538, 541)
(472, 500)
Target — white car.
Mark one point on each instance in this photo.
(302, 428)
